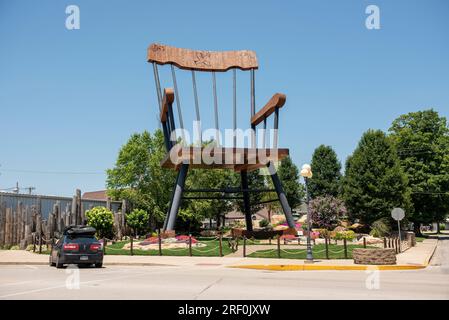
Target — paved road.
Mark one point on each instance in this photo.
(217, 282)
(441, 255)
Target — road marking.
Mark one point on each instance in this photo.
(31, 267)
(207, 287)
(63, 286)
(17, 283)
(86, 282)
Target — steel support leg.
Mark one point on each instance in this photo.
(246, 201)
(281, 194)
(177, 196)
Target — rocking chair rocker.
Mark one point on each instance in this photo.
(243, 159)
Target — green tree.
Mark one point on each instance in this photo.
(374, 182)
(139, 177)
(326, 211)
(198, 210)
(422, 141)
(138, 220)
(102, 220)
(289, 175)
(255, 181)
(326, 173)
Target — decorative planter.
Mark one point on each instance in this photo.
(374, 256)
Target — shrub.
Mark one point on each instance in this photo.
(238, 224)
(208, 233)
(184, 238)
(314, 235)
(288, 236)
(264, 223)
(348, 235)
(326, 211)
(324, 233)
(380, 228)
(101, 219)
(138, 220)
(442, 226)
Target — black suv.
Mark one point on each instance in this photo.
(78, 245)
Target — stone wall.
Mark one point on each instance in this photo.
(411, 240)
(374, 256)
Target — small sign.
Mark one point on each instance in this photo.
(398, 214)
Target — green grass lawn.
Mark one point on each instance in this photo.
(318, 252)
(211, 249)
(420, 239)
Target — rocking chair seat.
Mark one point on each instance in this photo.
(238, 159)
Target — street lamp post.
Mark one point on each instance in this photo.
(306, 173)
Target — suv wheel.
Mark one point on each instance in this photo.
(98, 265)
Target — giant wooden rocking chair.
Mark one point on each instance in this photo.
(208, 61)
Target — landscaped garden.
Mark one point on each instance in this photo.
(319, 252)
(201, 247)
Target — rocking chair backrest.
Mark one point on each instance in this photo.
(204, 61)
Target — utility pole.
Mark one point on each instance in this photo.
(16, 189)
(30, 189)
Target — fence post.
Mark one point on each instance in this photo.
(190, 244)
(132, 242)
(327, 247)
(279, 247)
(385, 243)
(159, 241)
(364, 242)
(346, 248)
(220, 243)
(40, 243)
(399, 245)
(244, 246)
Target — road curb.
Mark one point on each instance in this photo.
(427, 261)
(12, 263)
(308, 267)
(37, 263)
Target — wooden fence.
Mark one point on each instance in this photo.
(21, 223)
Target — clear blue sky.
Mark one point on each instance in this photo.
(70, 99)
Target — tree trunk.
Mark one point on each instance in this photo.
(218, 221)
(438, 228)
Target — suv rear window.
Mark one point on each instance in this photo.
(81, 239)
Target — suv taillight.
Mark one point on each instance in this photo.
(71, 247)
(95, 247)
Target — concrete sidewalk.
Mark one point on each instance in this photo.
(415, 258)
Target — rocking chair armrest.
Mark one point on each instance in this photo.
(276, 101)
(167, 100)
